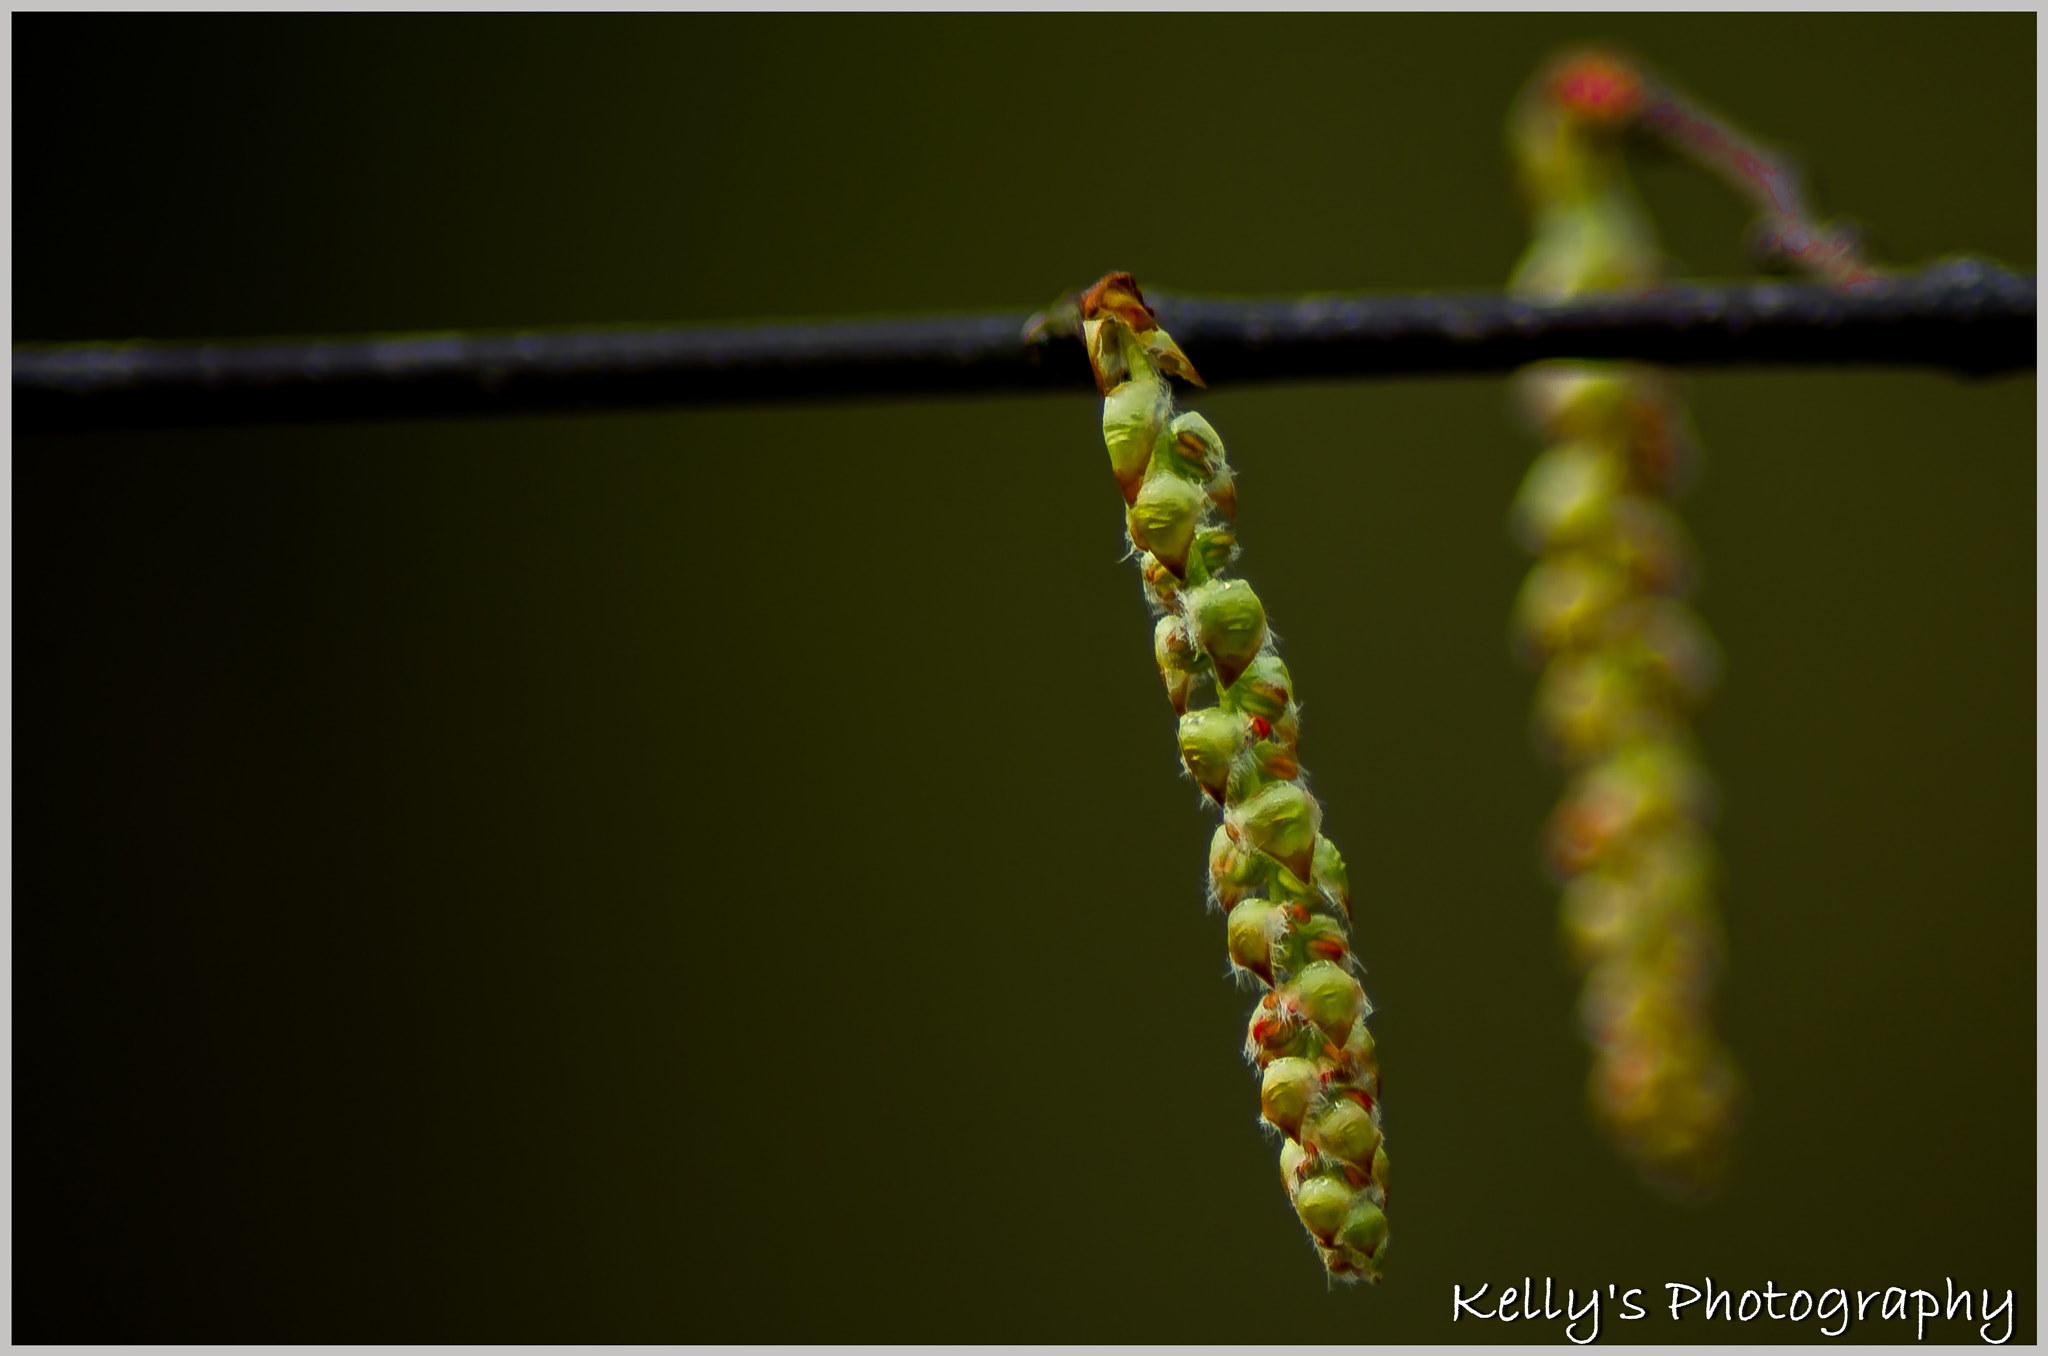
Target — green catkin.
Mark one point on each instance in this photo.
(1624, 660)
(1282, 885)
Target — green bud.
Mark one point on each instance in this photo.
(1253, 925)
(1287, 726)
(1364, 1227)
(1272, 1034)
(1639, 791)
(1346, 1133)
(1232, 870)
(1276, 761)
(1332, 878)
(1291, 1156)
(1331, 998)
(1163, 519)
(1286, 1093)
(1590, 404)
(1590, 702)
(1600, 912)
(1324, 1203)
(1209, 741)
(1361, 1056)
(1161, 587)
(1652, 545)
(1222, 492)
(1265, 688)
(1283, 887)
(1263, 761)
(1567, 495)
(1281, 821)
(1316, 937)
(1230, 623)
(1675, 648)
(1131, 416)
(1564, 602)
(1214, 549)
(1379, 1170)
(1197, 442)
(1175, 652)
(1202, 449)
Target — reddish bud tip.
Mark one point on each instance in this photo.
(1117, 295)
(1598, 88)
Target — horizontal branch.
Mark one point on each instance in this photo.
(1963, 315)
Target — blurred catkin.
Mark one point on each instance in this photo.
(1624, 660)
(1281, 884)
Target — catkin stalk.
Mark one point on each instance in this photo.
(1281, 884)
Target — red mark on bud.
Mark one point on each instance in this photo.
(1262, 727)
(1327, 948)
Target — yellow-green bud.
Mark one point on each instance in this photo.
(1214, 549)
(1379, 1171)
(1199, 445)
(1345, 1132)
(1275, 761)
(1265, 688)
(1332, 878)
(1652, 544)
(1280, 821)
(1131, 415)
(1600, 911)
(1272, 1034)
(1230, 623)
(1253, 925)
(1316, 937)
(1364, 1228)
(1286, 1093)
(1175, 651)
(1567, 495)
(1360, 1051)
(1331, 998)
(1222, 492)
(1564, 602)
(1324, 1203)
(1586, 703)
(1163, 518)
(1197, 442)
(1161, 587)
(1209, 741)
(1676, 647)
(1232, 870)
(1291, 1156)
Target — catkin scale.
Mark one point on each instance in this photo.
(1283, 886)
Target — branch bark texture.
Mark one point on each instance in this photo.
(1962, 314)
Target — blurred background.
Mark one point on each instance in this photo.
(722, 875)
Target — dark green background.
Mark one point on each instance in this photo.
(722, 875)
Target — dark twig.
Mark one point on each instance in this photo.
(1962, 315)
